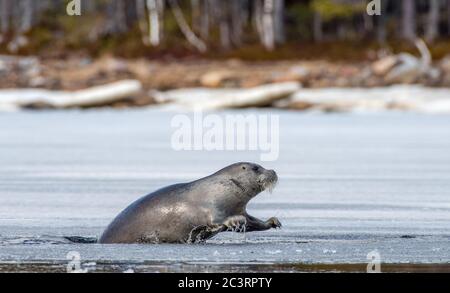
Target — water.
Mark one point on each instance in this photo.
(349, 184)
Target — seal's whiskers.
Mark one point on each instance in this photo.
(269, 185)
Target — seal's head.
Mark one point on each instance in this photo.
(249, 179)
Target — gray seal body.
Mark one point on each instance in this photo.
(195, 211)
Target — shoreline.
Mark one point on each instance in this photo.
(389, 83)
(76, 73)
(198, 267)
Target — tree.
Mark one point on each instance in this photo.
(265, 22)
(204, 19)
(117, 20)
(448, 17)
(381, 26)
(279, 11)
(153, 21)
(317, 27)
(268, 25)
(141, 14)
(225, 22)
(432, 30)
(27, 13)
(5, 15)
(257, 18)
(408, 19)
(236, 21)
(184, 27)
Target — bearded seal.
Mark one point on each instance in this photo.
(195, 211)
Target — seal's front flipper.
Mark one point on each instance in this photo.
(255, 224)
(202, 233)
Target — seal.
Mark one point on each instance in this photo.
(196, 211)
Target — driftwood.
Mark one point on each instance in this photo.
(92, 97)
(405, 67)
(210, 99)
(397, 98)
(184, 27)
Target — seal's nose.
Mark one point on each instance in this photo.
(273, 175)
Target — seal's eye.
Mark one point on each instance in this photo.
(243, 168)
(255, 168)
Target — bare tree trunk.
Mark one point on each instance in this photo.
(161, 6)
(279, 22)
(27, 11)
(342, 31)
(204, 22)
(257, 19)
(224, 27)
(121, 16)
(196, 12)
(432, 30)
(5, 15)
(130, 13)
(236, 21)
(185, 29)
(141, 12)
(153, 22)
(268, 25)
(116, 17)
(381, 24)
(448, 17)
(368, 22)
(87, 5)
(214, 11)
(317, 27)
(409, 19)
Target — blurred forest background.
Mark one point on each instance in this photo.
(308, 29)
(162, 45)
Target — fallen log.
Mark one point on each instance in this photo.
(212, 99)
(395, 98)
(406, 68)
(92, 97)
